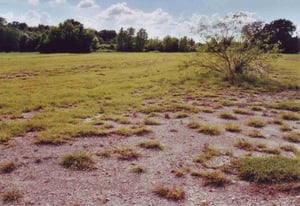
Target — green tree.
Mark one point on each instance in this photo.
(281, 32)
(170, 44)
(140, 40)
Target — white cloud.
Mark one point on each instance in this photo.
(31, 17)
(87, 4)
(157, 23)
(34, 2)
(57, 2)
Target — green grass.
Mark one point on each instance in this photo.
(275, 169)
(62, 90)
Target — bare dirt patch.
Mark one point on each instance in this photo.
(43, 181)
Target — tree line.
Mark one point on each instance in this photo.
(71, 36)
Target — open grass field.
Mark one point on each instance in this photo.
(147, 131)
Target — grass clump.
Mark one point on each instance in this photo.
(148, 121)
(151, 145)
(277, 121)
(209, 129)
(12, 195)
(78, 161)
(181, 115)
(207, 154)
(257, 123)
(275, 169)
(138, 169)
(207, 110)
(170, 193)
(291, 106)
(193, 125)
(256, 134)
(290, 116)
(285, 128)
(231, 127)
(127, 132)
(8, 167)
(126, 153)
(289, 148)
(245, 145)
(257, 108)
(292, 137)
(242, 112)
(214, 178)
(227, 115)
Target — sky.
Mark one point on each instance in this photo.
(158, 17)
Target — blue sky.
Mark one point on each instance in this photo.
(159, 17)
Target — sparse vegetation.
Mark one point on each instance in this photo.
(138, 169)
(290, 116)
(194, 125)
(8, 167)
(181, 115)
(242, 111)
(78, 161)
(209, 129)
(257, 123)
(231, 127)
(126, 153)
(245, 145)
(269, 169)
(285, 128)
(148, 121)
(227, 115)
(289, 148)
(291, 106)
(256, 134)
(207, 154)
(151, 145)
(292, 137)
(170, 193)
(214, 178)
(12, 195)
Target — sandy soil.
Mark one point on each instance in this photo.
(44, 181)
